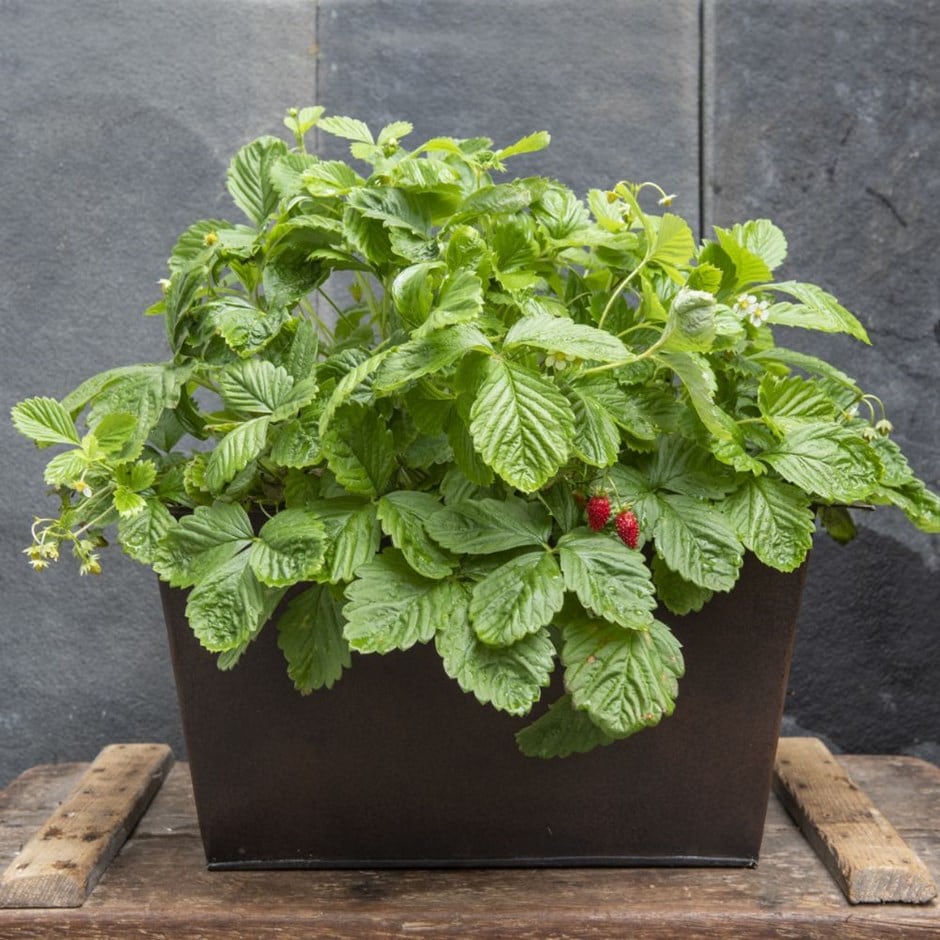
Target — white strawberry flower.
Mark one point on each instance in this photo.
(747, 306)
(758, 313)
(82, 488)
(559, 361)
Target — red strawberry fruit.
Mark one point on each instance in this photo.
(628, 527)
(598, 512)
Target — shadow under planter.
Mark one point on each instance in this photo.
(396, 767)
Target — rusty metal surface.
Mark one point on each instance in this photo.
(395, 766)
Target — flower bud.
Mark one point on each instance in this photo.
(693, 316)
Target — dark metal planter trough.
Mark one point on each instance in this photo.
(396, 767)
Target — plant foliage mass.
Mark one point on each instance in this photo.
(394, 382)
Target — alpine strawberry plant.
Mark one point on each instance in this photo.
(389, 378)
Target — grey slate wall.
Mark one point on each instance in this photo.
(117, 120)
(825, 116)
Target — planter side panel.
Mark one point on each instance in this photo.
(396, 766)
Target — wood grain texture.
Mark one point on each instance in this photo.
(864, 852)
(64, 859)
(158, 887)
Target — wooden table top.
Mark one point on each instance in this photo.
(158, 885)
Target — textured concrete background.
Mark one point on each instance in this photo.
(825, 116)
(118, 118)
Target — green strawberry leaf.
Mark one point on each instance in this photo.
(809, 364)
(598, 406)
(145, 392)
(249, 182)
(255, 386)
(459, 300)
(347, 385)
(141, 534)
(310, 634)
(562, 335)
(289, 548)
(394, 131)
(521, 425)
(201, 542)
(65, 468)
(762, 238)
(228, 607)
(774, 520)
(920, 505)
(509, 678)
(528, 144)
(626, 680)
(678, 595)
(234, 452)
(244, 326)
(897, 471)
(563, 730)
(610, 579)
(403, 515)
(114, 431)
(360, 450)
(695, 540)
(674, 243)
(816, 310)
(561, 504)
(137, 476)
(682, 466)
(127, 502)
(430, 353)
(833, 462)
(412, 291)
(748, 267)
(296, 443)
(789, 402)
(399, 211)
(517, 599)
(390, 606)
(346, 127)
(352, 535)
(700, 383)
(487, 526)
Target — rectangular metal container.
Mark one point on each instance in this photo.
(396, 767)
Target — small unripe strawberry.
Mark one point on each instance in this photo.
(598, 512)
(628, 528)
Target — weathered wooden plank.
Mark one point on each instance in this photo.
(862, 850)
(28, 800)
(63, 861)
(173, 810)
(909, 785)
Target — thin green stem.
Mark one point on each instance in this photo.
(620, 288)
(93, 522)
(320, 322)
(633, 329)
(608, 366)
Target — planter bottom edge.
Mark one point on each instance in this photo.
(562, 861)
